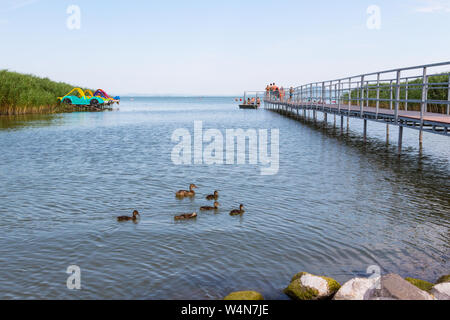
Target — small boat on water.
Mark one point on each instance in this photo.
(248, 106)
(251, 100)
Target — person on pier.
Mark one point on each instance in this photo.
(276, 91)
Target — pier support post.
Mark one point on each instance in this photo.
(365, 130)
(342, 123)
(400, 138)
(325, 117)
(387, 134)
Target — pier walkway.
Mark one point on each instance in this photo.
(415, 97)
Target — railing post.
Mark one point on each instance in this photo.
(448, 95)
(334, 89)
(368, 95)
(397, 98)
(332, 92)
(301, 95)
(323, 96)
(378, 95)
(357, 93)
(361, 106)
(339, 96)
(349, 95)
(407, 95)
(391, 97)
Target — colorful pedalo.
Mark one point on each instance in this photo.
(87, 98)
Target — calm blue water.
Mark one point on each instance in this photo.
(335, 207)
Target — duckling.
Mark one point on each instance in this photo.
(186, 216)
(133, 218)
(238, 212)
(207, 208)
(185, 193)
(214, 196)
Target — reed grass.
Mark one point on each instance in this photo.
(27, 94)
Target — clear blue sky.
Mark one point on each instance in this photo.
(217, 47)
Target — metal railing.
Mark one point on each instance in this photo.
(424, 88)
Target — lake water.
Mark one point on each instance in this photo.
(336, 206)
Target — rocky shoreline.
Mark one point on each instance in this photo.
(306, 286)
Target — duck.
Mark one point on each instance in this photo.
(186, 216)
(238, 212)
(207, 208)
(185, 193)
(132, 218)
(214, 196)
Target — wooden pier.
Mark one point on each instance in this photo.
(378, 97)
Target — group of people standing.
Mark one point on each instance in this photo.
(275, 93)
(253, 101)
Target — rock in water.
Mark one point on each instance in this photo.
(441, 291)
(392, 286)
(357, 289)
(306, 286)
(444, 279)
(245, 296)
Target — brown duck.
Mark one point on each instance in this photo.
(185, 193)
(238, 212)
(207, 208)
(132, 218)
(186, 216)
(214, 196)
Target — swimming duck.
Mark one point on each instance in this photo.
(186, 216)
(207, 208)
(238, 212)
(133, 218)
(185, 193)
(214, 196)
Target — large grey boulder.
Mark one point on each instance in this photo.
(388, 287)
(392, 286)
(357, 289)
(441, 291)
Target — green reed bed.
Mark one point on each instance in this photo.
(26, 94)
